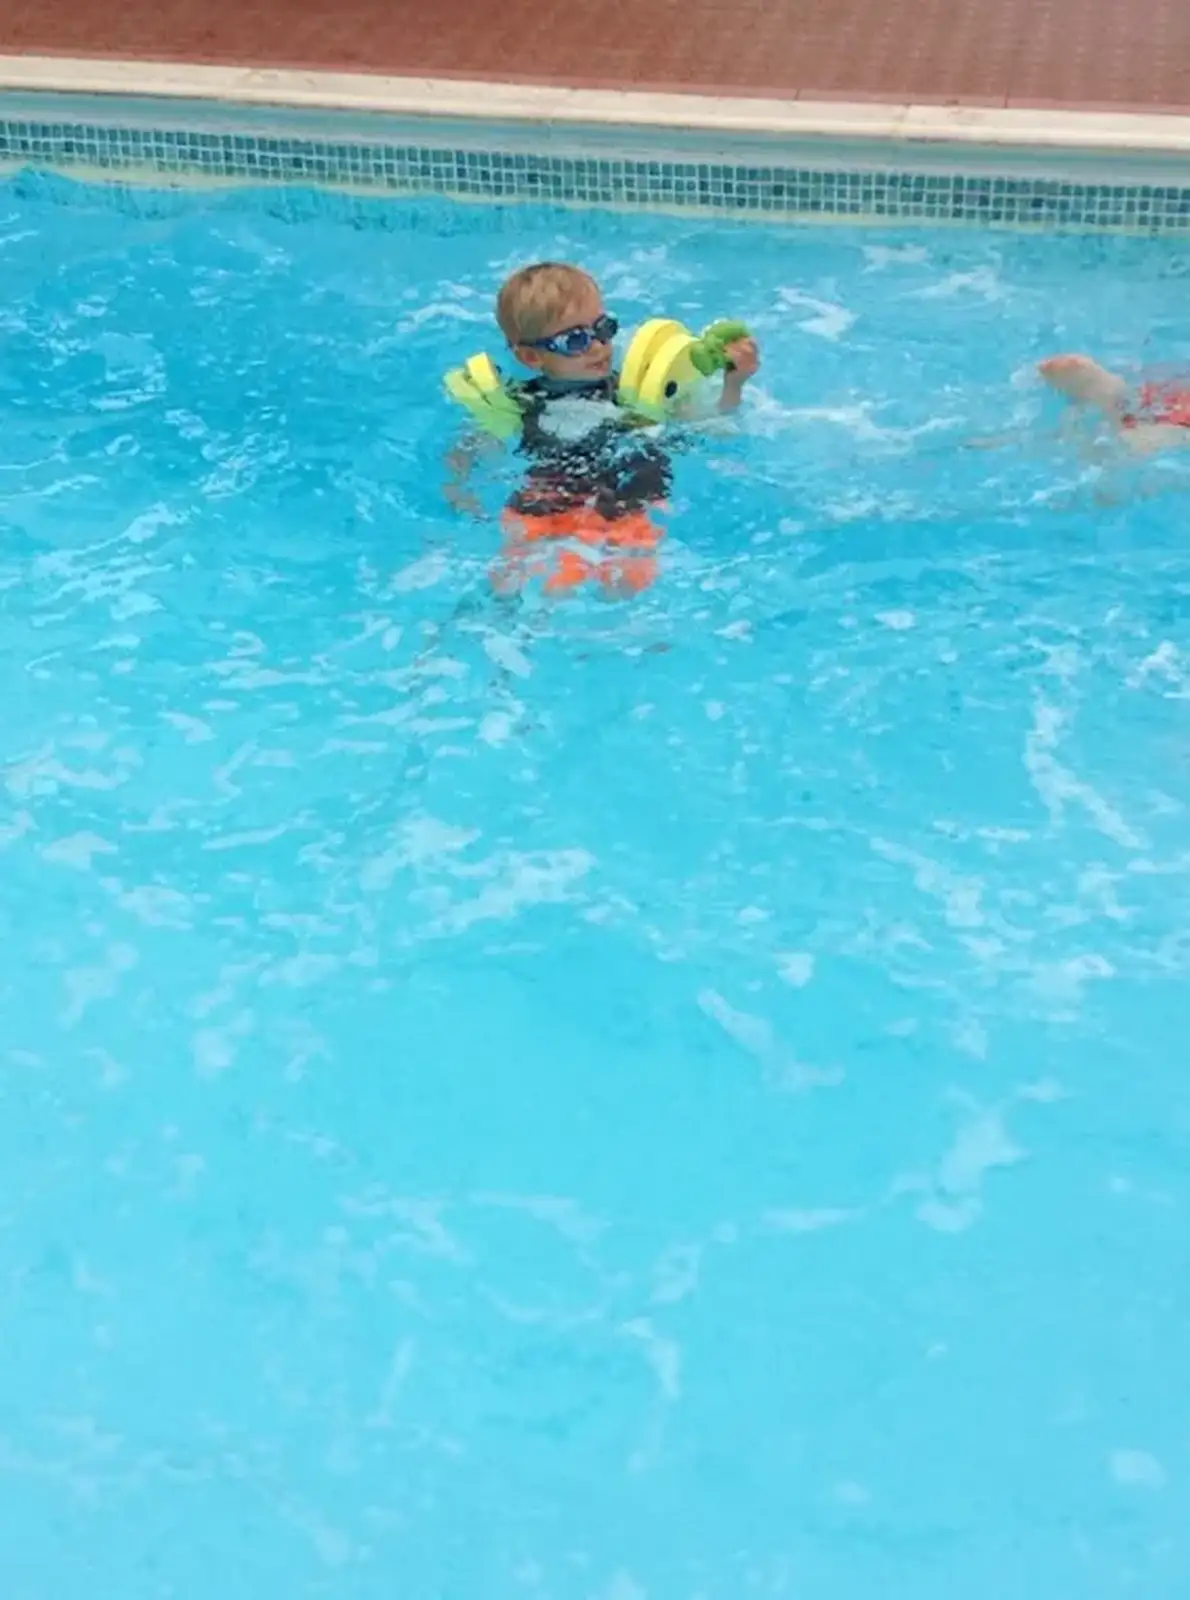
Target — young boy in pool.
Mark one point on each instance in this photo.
(582, 514)
(1154, 416)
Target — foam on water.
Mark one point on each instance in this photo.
(669, 1102)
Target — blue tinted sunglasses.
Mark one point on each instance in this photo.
(577, 341)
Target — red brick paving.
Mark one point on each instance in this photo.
(1105, 53)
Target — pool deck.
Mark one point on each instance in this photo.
(1060, 55)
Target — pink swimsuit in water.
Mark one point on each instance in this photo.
(1167, 403)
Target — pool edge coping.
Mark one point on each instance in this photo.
(478, 101)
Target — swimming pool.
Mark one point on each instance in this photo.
(666, 1102)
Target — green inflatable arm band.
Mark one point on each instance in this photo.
(709, 352)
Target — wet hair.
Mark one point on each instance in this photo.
(530, 304)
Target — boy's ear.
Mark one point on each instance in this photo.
(526, 355)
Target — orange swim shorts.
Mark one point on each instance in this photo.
(615, 554)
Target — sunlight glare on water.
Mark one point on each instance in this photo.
(670, 1101)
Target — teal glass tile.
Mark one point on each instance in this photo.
(770, 191)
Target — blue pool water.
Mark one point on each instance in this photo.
(680, 1101)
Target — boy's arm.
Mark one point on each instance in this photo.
(744, 356)
(460, 463)
(744, 359)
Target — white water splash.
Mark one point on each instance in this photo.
(1058, 787)
(828, 320)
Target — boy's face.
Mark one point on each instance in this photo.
(584, 311)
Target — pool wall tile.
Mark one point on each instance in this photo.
(745, 188)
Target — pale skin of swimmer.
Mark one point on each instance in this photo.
(1103, 396)
(583, 310)
(1084, 382)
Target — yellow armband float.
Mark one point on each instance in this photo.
(479, 387)
(663, 366)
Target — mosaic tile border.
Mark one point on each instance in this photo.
(771, 192)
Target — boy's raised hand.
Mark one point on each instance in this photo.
(744, 355)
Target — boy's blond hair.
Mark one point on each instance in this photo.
(531, 302)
